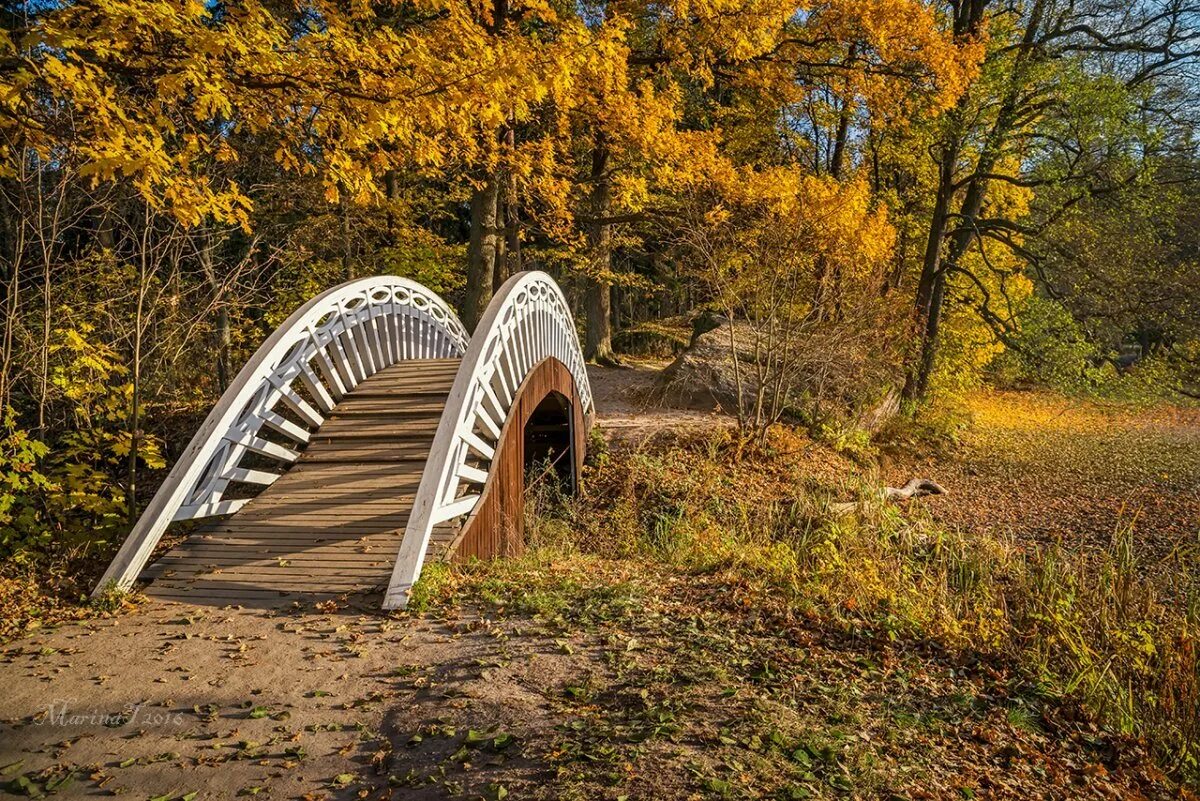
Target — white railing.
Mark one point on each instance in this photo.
(527, 321)
(320, 353)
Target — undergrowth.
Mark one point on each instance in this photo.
(1093, 626)
(50, 590)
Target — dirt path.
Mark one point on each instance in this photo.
(627, 405)
(174, 699)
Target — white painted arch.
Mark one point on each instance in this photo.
(527, 321)
(321, 352)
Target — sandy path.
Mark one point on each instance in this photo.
(627, 406)
(174, 699)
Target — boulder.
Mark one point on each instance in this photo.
(827, 369)
(703, 375)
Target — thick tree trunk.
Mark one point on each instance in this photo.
(598, 344)
(961, 240)
(598, 347)
(488, 250)
(931, 290)
(930, 298)
(481, 251)
(929, 339)
(510, 265)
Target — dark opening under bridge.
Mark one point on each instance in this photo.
(366, 436)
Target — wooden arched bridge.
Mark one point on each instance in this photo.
(368, 435)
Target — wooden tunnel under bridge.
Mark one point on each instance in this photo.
(544, 434)
(368, 435)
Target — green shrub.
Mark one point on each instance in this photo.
(1052, 350)
(21, 481)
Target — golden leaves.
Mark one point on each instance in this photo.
(156, 91)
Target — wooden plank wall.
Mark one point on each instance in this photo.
(497, 526)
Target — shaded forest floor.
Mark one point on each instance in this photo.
(578, 674)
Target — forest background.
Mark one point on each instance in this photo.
(903, 199)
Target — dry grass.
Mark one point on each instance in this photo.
(1084, 624)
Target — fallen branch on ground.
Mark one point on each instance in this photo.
(915, 488)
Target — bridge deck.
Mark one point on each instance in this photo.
(334, 522)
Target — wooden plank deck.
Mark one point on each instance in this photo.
(333, 523)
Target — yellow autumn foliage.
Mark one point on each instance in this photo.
(162, 94)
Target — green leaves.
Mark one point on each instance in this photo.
(495, 741)
(720, 786)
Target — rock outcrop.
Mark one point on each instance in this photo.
(703, 375)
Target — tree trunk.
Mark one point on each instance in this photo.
(106, 235)
(598, 344)
(929, 338)
(838, 160)
(917, 380)
(481, 251)
(347, 263)
(828, 277)
(391, 189)
(135, 410)
(47, 260)
(224, 335)
(224, 340)
(15, 251)
(135, 421)
(510, 264)
(932, 288)
(960, 242)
